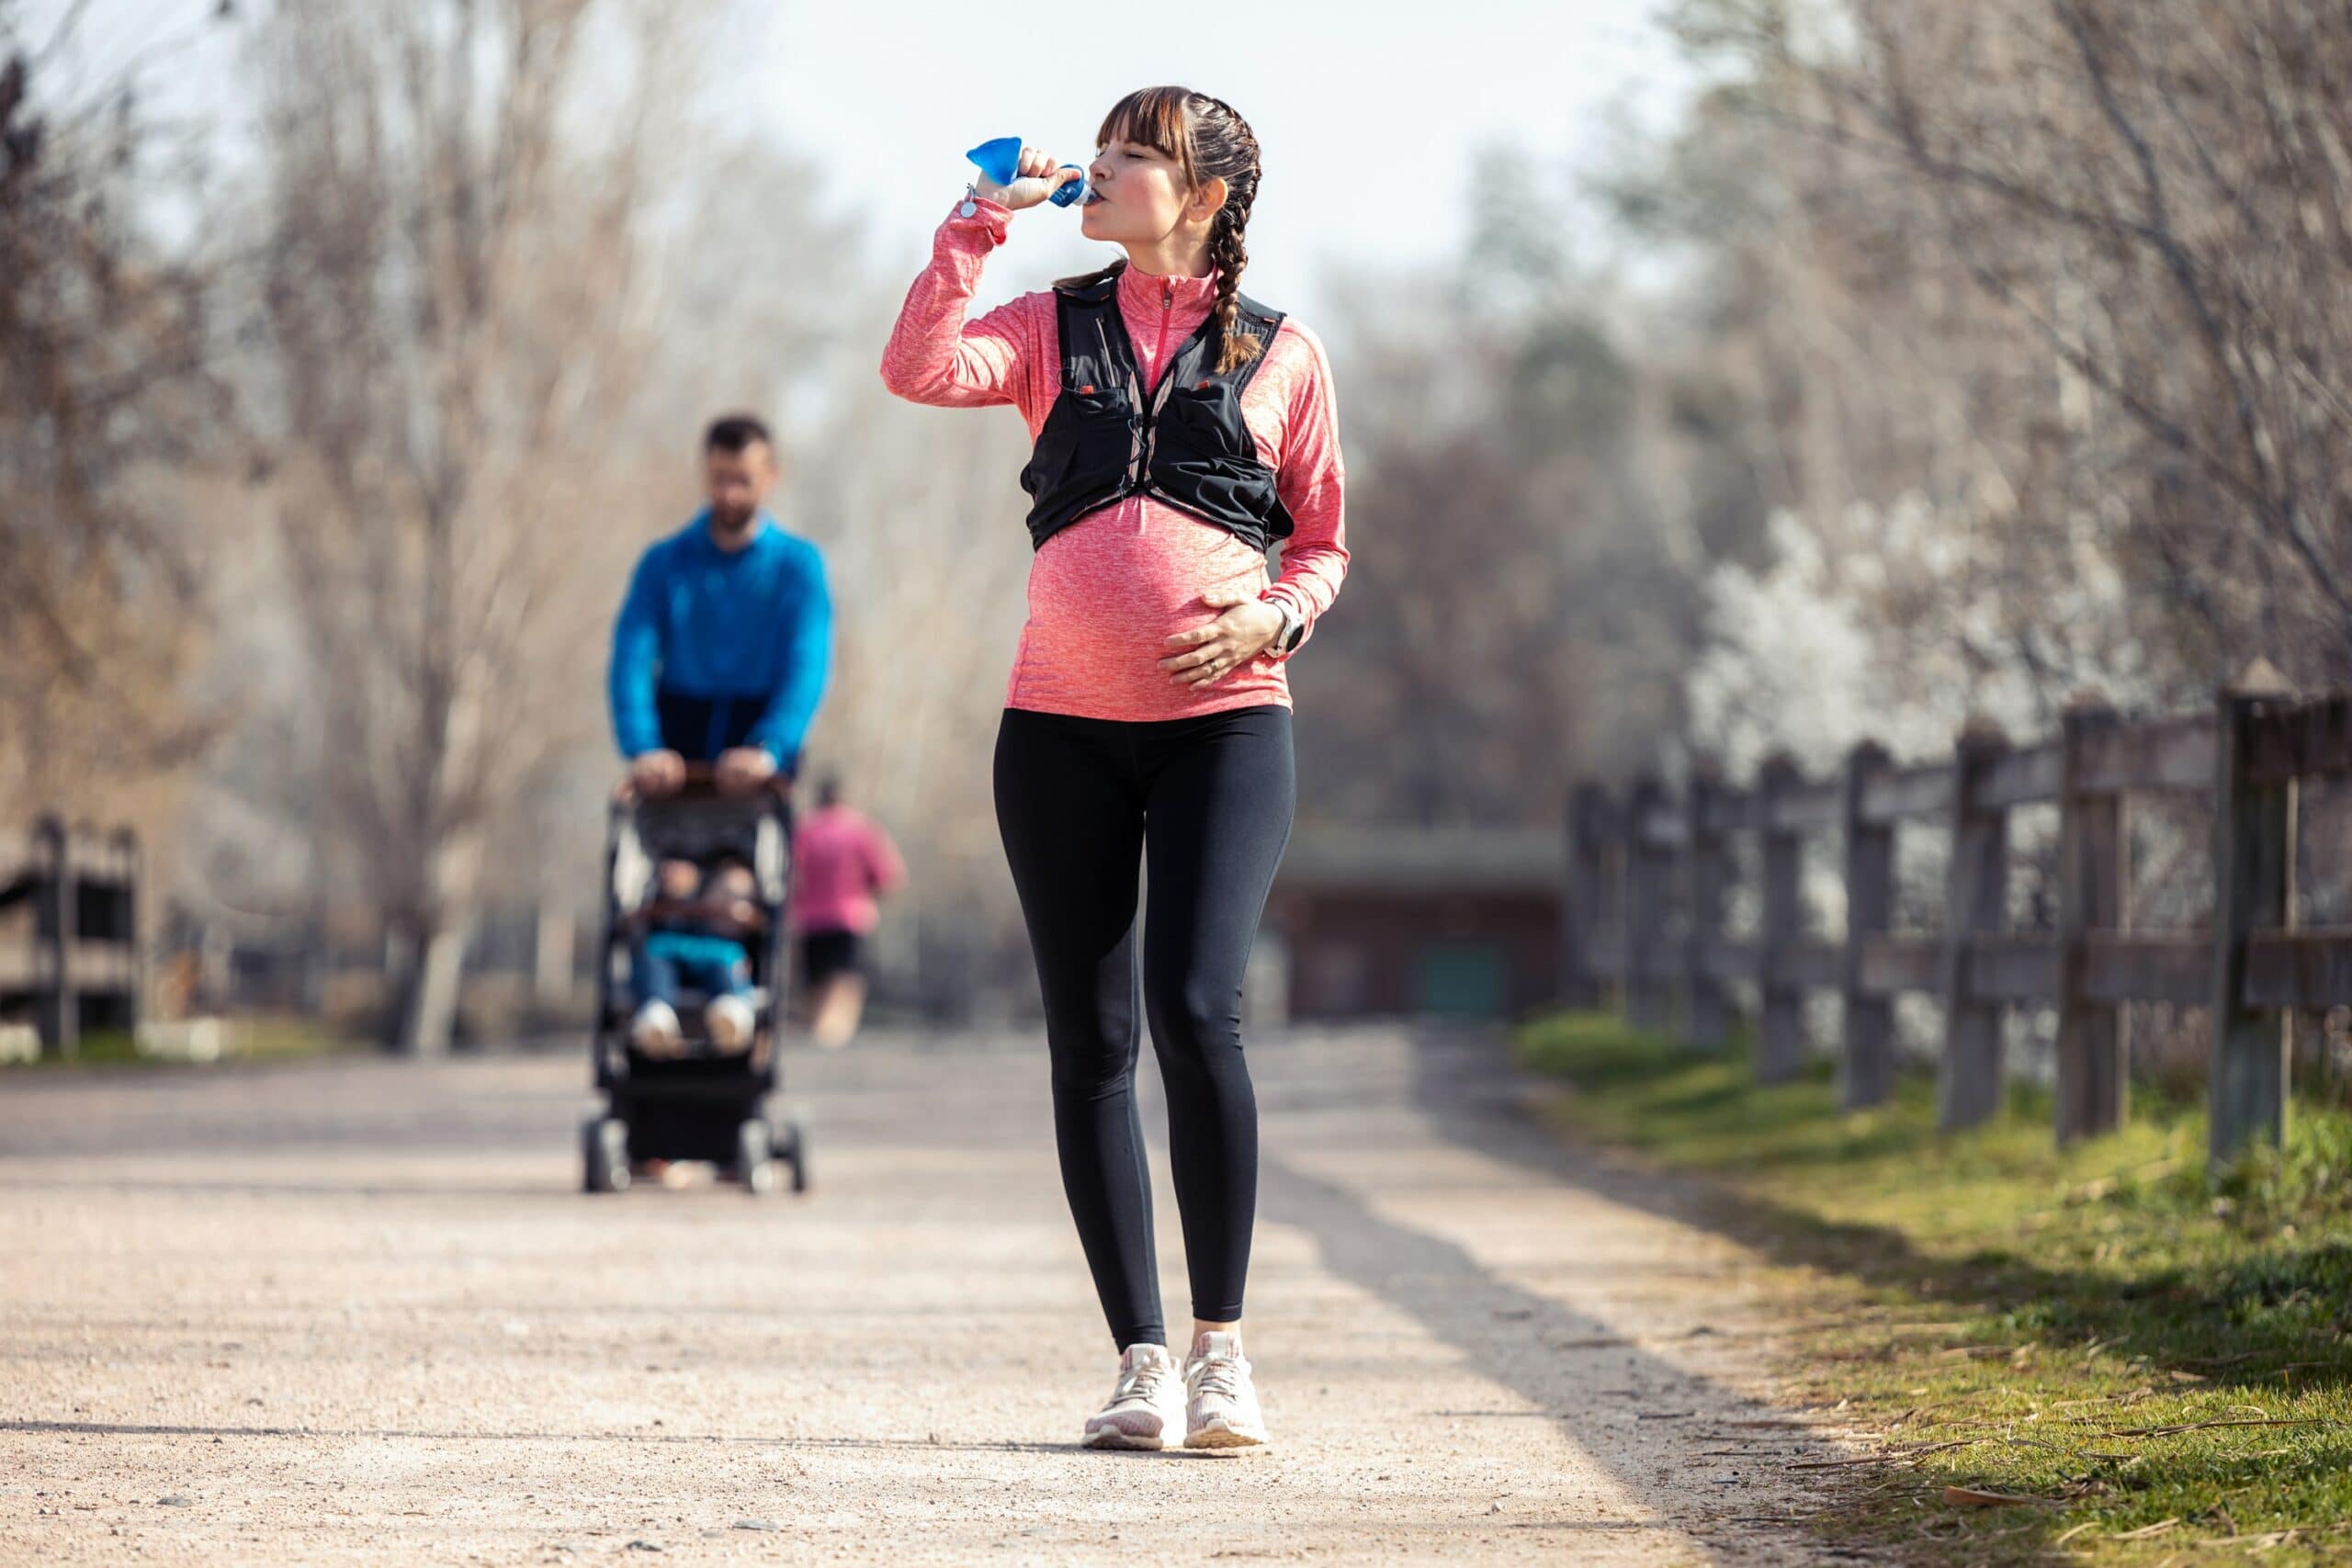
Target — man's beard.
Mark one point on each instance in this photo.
(732, 522)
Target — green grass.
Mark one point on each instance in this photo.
(259, 1039)
(2070, 1327)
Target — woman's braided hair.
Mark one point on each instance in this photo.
(1207, 140)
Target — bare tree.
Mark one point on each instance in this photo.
(456, 314)
(2078, 269)
(927, 561)
(107, 378)
(1521, 598)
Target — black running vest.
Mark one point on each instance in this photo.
(1103, 440)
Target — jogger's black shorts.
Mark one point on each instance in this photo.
(1207, 802)
(824, 954)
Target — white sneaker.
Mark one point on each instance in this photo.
(730, 1021)
(1223, 1410)
(1146, 1405)
(654, 1030)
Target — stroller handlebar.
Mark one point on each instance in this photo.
(702, 784)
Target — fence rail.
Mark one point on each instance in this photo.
(76, 963)
(1633, 863)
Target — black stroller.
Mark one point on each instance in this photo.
(702, 1104)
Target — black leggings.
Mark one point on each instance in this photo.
(1073, 798)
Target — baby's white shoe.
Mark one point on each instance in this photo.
(654, 1030)
(730, 1021)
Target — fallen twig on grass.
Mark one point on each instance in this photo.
(1970, 1497)
(1908, 1456)
(2176, 1429)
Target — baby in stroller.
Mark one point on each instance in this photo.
(697, 889)
(691, 936)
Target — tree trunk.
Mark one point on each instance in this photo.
(432, 958)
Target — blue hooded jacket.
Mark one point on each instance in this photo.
(714, 650)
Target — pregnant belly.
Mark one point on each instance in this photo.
(1105, 592)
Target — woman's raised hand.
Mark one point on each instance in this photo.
(1036, 176)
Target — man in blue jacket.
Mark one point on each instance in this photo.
(725, 640)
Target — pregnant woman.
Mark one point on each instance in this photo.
(1180, 429)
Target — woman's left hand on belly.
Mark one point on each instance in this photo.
(1207, 654)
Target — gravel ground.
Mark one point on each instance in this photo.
(358, 1311)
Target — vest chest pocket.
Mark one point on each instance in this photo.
(1089, 429)
(1210, 417)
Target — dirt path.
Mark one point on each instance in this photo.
(359, 1312)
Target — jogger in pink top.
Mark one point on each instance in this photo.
(842, 863)
(1180, 429)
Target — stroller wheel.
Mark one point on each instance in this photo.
(755, 1156)
(604, 1147)
(796, 1151)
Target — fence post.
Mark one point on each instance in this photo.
(1584, 901)
(1645, 894)
(1866, 1064)
(1969, 1085)
(2254, 838)
(1779, 1037)
(58, 1012)
(1704, 875)
(126, 914)
(2092, 1079)
(318, 956)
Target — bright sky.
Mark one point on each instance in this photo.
(1372, 113)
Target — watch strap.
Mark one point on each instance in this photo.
(1294, 626)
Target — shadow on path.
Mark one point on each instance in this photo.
(1567, 1363)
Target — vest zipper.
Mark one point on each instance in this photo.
(1159, 373)
(1167, 311)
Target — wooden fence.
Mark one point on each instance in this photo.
(1634, 862)
(76, 963)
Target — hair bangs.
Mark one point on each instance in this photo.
(1154, 118)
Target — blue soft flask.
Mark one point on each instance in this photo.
(1000, 161)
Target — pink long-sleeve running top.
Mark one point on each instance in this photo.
(1106, 591)
(841, 859)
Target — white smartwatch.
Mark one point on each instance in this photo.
(1294, 626)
